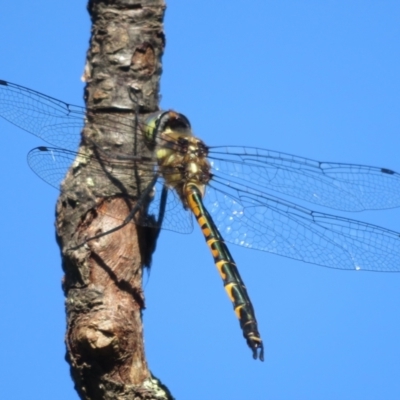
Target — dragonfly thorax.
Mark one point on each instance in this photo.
(182, 160)
(181, 157)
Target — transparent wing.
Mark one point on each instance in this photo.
(51, 165)
(255, 220)
(176, 218)
(346, 187)
(55, 121)
(238, 196)
(52, 120)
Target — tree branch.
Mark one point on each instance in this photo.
(103, 278)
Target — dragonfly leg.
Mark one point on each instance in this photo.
(129, 218)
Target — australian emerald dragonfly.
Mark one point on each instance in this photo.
(230, 192)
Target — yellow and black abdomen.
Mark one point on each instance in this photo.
(226, 266)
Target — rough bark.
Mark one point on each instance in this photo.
(103, 278)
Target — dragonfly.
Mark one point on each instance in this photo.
(236, 194)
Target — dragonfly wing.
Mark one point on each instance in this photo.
(52, 120)
(256, 220)
(57, 122)
(176, 218)
(52, 164)
(346, 187)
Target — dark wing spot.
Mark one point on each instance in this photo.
(387, 171)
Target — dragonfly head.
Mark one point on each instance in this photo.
(165, 121)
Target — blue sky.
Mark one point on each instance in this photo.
(318, 79)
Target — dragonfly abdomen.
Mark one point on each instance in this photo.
(228, 271)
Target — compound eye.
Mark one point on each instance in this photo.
(184, 120)
(153, 125)
(177, 121)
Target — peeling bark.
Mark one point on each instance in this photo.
(103, 278)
